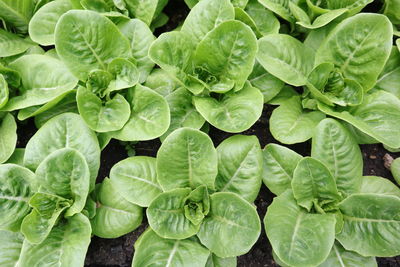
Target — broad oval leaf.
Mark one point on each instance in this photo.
(290, 123)
(333, 145)
(379, 185)
(297, 237)
(166, 215)
(371, 225)
(149, 118)
(10, 248)
(264, 19)
(232, 227)
(228, 51)
(239, 166)
(187, 158)
(164, 252)
(66, 244)
(44, 78)
(64, 131)
(235, 112)
(115, 216)
(17, 185)
(135, 179)
(12, 44)
(395, 169)
(205, 16)
(280, 7)
(359, 46)
(286, 58)
(279, 163)
(85, 41)
(43, 22)
(8, 137)
(215, 261)
(65, 173)
(390, 76)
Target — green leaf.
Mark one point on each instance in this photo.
(44, 78)
(313, 184)
(228, 51)
(264, 19)
(115, 216)
(65, 173)
(235, 112)
(149, 118)
(280, 7)
(8, 137)
(390, 76)
(342, 257)
(99, 116)
(17, 157)
(379, 185)
(164, 252)
(17, 185)
(140, 38)
(183, 112)
(268, 84)
(64, 131)
(135, 179)
(162, 83)
(395, 169)
(239, 166)
(371, 225)
(197, 205)
(215, 261)
(359, 46)
(43, 22)
(66, 245)
(286, 58)
(333, 145)
(166, 215)
(290, 124)
(47, 209)
(205, 16)
(297, 237)
(17, 13)
(377, 117)
(10, 248)
(85, 41)
(279, 164)
(232, 227)
(125, 73)
(187, 158)
(11, 44)
(323, 19)
(142, 9)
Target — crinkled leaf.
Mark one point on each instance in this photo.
(10, 248)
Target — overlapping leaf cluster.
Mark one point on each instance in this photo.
(89, 71)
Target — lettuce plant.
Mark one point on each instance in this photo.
(198, 197)
(211, 57)
(324, 198)
(337, 77)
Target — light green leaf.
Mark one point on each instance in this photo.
(164, 252)
(17, 13)
(228, 51)
(124, 72)
(65, 173)
(205, 16)
(279, 164)
(215, 261)
(140, 38)
(149, 118)
(239, 166)
(279, 7)
(333, 145)
(166, 215)
(365, 43)
(10, 248)
(377, 117)
(371, 225)
(379, 185)
(64, 131)
(17, 157)
(313, 184)
(232, 227)
(187, 158)
(102, 116)
(8, 137)
(135, 179)
(66, 245)
(142, 9)
(43, 22)
(17, 185)
(12, 44)
(390, 76)
(286, 58)
(265, 20)
(285, 93)
(235, 112)
(161, 82)
(342, 257)
(298, 238)
(115, 216)
(85, 41)
(290, 124)
(323, 19)
(395, 169)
